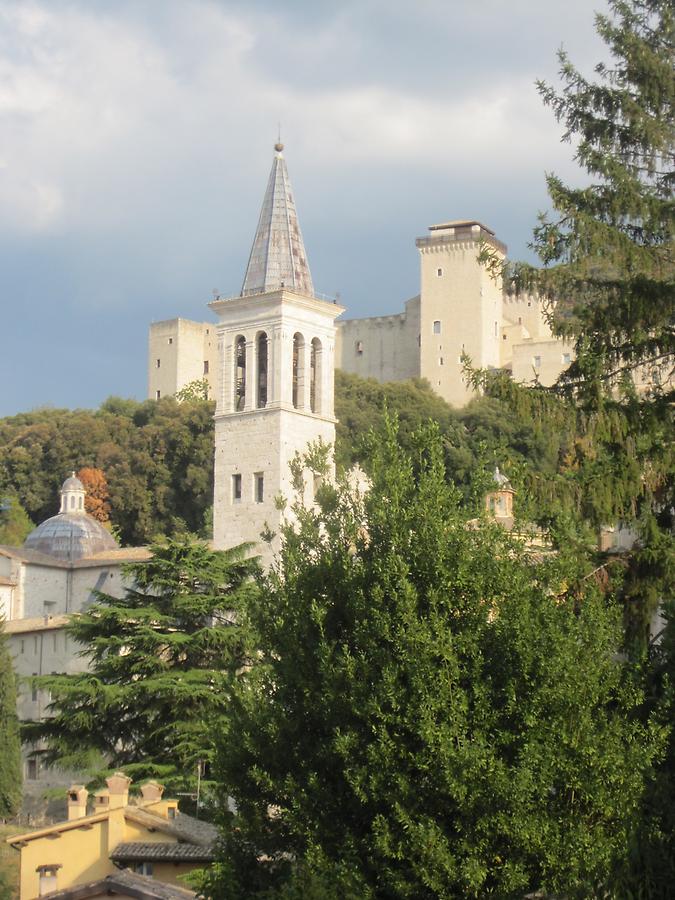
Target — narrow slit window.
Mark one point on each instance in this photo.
(437, 326)
(259, 487)
(236, 488)
(261, 348)
(239, 373)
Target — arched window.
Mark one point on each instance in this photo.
(261, 354)
(239, 373)
(298, 370)
(315, 376)
(80, 503)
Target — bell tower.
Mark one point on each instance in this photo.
(276, 345)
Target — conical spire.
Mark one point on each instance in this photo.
(278, 257)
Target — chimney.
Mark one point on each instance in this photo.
(152, 791)
(118, 788)
(101, 800)
(77, 801)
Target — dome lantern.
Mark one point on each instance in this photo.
(72, 495)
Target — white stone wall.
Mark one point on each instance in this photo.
(255, 441)
(179, 350)
(540, 361)
(461, 309)
(382, 347)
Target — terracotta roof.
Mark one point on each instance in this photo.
(140, 851)
(128, 884)
(183, 827)
(114, 556)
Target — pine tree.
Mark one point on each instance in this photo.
(160, 661)
(435, 711)
(609, 279)
(10, 746)
(607, 248)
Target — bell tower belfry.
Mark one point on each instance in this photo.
(276, 344)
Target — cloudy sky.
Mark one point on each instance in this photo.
(136, 140)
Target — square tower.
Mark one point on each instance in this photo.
(275, 396)
(460, 306)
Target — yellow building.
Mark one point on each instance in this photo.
(150, 838)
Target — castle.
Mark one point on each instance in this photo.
(460, 310)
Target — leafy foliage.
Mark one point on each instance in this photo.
(159, 662)
(15, 526)
(97, 496)
(157, 459)
(10, 746)
(435, 709)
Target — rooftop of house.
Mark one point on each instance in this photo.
(125, 884)
(140, 851)
(100, 558)
(183, 828)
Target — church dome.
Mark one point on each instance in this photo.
(73, 533)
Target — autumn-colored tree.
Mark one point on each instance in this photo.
(97, 496)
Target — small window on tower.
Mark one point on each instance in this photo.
(158, 394)
(496, 327)
(439, 273)
(158, 363)
(206, 367)
(440, 361)
(536, 362)
(437, 327)
(32, 770)
(359, 348)
(567, 359)
(259, 487)
(236, 488)
(170, 341)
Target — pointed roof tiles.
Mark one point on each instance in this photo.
(278, 257)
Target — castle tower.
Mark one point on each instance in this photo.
(276, 344)
(460, 306)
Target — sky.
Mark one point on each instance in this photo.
(136, 138)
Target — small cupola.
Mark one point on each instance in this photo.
(72, 495)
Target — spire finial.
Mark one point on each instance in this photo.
(279, 146)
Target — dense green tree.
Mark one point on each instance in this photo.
(608, 277)
(15, 525)
(435, 711)
(159, 662)
(10, 745)
(157, 458)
